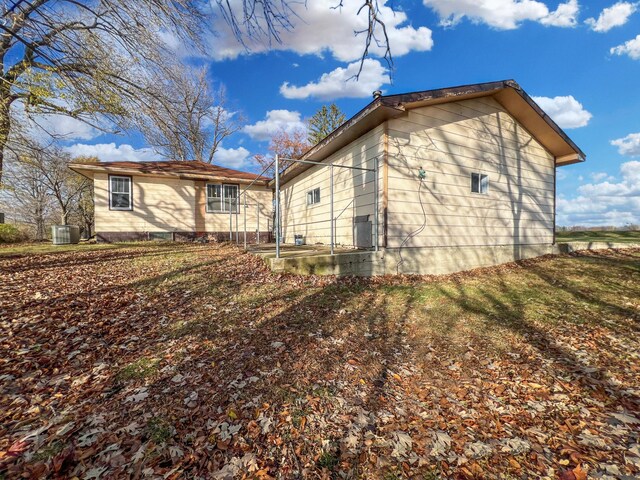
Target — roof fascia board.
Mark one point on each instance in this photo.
(366, 120)
(81, 168)
(569, 159)
(507, 92)
(535, 123)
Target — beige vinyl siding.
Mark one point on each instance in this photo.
(353, 194)
(451, 141)
(164, 204)
(159, 205)
(259, 208)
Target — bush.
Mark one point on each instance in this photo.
(11, 234)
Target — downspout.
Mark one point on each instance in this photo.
(555, 170)
(385, 183)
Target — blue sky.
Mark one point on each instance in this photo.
(579, 60)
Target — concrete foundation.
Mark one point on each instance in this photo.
(356, 263)
(111, 237)
(443, 260)
(417, 261)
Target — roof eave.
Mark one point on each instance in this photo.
(507, 92)
(561, 146)
(83, 169)
(569, 159)
(367, 119)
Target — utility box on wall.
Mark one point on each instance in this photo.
(362, 229)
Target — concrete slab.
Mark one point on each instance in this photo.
(317, 260)
(268, 250)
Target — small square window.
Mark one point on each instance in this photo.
(313, 196)
(479, 183)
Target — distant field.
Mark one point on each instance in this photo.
(599, 236)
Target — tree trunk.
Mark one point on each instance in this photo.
(5, 121)
(39, 224)
(87, 230)
(5, 127)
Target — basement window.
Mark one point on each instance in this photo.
(120, 197)
(479, 183)
(313, 196)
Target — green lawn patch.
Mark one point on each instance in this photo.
(599, 236)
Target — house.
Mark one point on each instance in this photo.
(448, 179)
(176, 200)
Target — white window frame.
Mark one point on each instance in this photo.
(481, 177)
(224, 205)
(216, 185)
(130, 192)
(313, 197)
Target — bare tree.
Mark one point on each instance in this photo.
(84, 59)
(186, 119)
(80, 59)
(288, 146)
(26, 193)
(65, 185)
(82, 211)
(375, 34)
(43, 171)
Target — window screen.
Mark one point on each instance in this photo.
(222, 198)
(214, 198)
(479, 183)
(313, 196)
(231, 198)
(120, 193)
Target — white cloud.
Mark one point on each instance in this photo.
(600, 176)
(605, 203)
(613, 16)
(231, 157)
(275, 121)
(319, 27)
(46, 127)
(340, 83)
(631, 48)
(566, 111)
(504, 14)
(66, 128)
(629, 145)
(109, 152)
(566, 15)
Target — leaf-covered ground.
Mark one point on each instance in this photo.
(185, 361)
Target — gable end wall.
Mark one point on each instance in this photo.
(450, 141)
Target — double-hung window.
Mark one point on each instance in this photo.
(120, 196)
(313, 196)
(222, 198)
(214, 198)
(479, 183)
